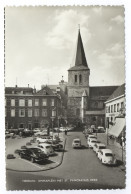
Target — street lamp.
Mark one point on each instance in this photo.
(122, 138)
(52, 119)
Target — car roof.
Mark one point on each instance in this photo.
(107, 150)
(101, 144)
(44, 144)
(76, 139)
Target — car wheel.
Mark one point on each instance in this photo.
(32, 160)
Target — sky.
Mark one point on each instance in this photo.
(40, 44)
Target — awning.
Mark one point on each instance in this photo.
(118, 127)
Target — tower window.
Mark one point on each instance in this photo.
(75, 78)
(80, 78)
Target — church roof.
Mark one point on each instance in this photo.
(102, 91)
(80, 59)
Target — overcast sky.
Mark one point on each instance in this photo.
(40, 44)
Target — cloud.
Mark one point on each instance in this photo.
(62, 35)
(116, 49)
(118, 19)
(97, 10)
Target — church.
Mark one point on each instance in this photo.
(85, 104)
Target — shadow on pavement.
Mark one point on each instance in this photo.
(45, 162)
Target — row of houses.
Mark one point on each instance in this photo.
(27, 108)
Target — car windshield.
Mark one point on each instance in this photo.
(102, 147)
(48, 147)
(93, 141)
(76, 141)
(108, 154)
(35, 150)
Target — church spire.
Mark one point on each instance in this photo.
(80, 53)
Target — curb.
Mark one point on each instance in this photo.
(62, 156)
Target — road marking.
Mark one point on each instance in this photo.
(31, 163)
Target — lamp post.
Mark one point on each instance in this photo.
(52, 119)
(107, 135)
(58, 124)
(122, 138)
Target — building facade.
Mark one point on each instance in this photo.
(85, 103)
(115, 106)
(26, 108)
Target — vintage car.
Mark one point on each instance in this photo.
(106, 156)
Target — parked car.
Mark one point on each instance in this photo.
(98, 146)
(33, 154)
(92, 142)
(62, 129)
(46, 148)
(56, 146)
(36, 130)
(100, 129)
(91, 137)
(76, 143)
(106, 156)
(42, 138)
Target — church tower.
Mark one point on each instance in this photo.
(78, 82)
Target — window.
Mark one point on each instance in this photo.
(52, 102)
(107, 109)
(114, 107)
(36, 102)
(122, 105)
(111, 108)
(12, 102)
(44, 102)
(22, 113)
(12, 112)
(75, 78)
(29, 102)
(5, 102)
(21, 102)
(80, 78)
(53, 113)
(118, 107)
(36, 112)
(29, 112)
(44, 112)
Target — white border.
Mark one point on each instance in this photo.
(126, 4)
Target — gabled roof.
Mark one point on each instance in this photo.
(80, 58)
(45, 91)
(98, 91)
(118, 92)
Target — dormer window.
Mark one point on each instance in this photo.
(44, 92)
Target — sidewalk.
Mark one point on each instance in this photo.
(116, 150)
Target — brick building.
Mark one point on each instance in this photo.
(26, 108)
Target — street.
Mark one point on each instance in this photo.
(80, 169)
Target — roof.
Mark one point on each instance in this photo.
(84, 94)
(118, 92)
(45, 91)
(106, 150)
(80, 58)
(102, 90)
(80, 68)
